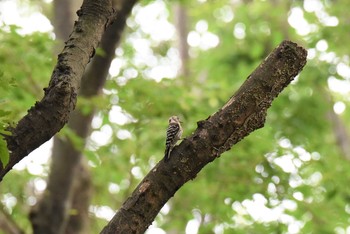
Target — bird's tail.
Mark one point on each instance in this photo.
(167, 154)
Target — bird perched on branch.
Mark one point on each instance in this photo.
(173, 134)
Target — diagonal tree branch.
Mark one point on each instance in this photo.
(242, 114)
(49, 115)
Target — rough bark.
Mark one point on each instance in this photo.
(242, 114)
(64, 206)
(50, 114)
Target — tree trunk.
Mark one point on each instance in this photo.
(82, 191)
(64, 206)
(341, 135)
(181, 23)
(64, 17)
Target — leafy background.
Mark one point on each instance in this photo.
(289, 177)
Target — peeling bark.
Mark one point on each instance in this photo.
(242, 114)
(50, 114)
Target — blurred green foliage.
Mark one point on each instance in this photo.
(26, 63)
(288, 177)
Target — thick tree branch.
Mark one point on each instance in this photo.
(49, 115)
(241, 115)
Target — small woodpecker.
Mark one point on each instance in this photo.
(173, 134)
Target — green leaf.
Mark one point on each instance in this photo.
(4, 153)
